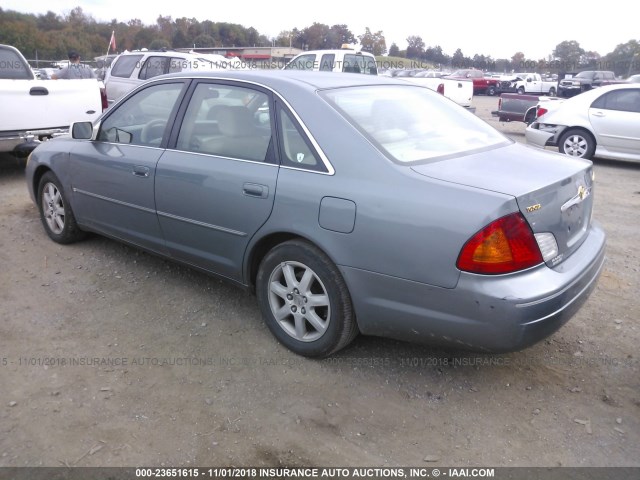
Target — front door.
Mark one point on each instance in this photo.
(113, 177)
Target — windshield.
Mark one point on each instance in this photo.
(412, 124)
(585, 75)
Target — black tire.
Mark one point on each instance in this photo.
(304, 300)
(552, 92)
(55, 212)
(491, 90)
(577, 143)
(520, 90)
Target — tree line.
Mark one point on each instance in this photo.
(51, 36)
(567, 56)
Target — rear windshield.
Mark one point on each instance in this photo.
(413, 124)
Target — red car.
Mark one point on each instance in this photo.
(481, 85)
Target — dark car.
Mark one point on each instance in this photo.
(349, 203)
(583, 81)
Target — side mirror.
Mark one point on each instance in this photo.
(529, 79)
(82, 130)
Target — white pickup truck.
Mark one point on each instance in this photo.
(534, 83)
(34, 110)
(458, 90)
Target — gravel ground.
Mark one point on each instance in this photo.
(112, 357)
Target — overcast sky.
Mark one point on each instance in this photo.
(489, 28)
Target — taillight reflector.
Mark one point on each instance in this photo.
(540, 111)
(504, 246)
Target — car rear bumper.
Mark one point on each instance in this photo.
(541, 138)
(484, 313)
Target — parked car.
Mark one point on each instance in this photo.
(583, 81)
(514, 107)
(130, 69)
(529, 83)
(481, 84)
(344, 60)
(35, 109)
(634, 79)
(458, 90)
(604, 122)
(349, 203)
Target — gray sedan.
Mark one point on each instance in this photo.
(348, 204)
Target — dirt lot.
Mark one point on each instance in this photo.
(109, 356)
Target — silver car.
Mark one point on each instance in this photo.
(602, 122)
(349, 204)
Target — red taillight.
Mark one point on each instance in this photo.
(540, 111)
(103, 98)
(440, 89)
(504, 246)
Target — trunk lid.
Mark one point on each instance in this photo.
(553, 191)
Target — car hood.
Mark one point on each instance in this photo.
(553, 191)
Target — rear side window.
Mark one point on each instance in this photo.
(177, 64)
(295, 149)
(125, 65)
(227, 121)
(627, 100)
(154, 66)
(326, 64)
(12, 67)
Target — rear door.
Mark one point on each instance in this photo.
(615, 117)
(215, 187)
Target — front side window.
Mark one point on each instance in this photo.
(303, 62)
(142, 119)
(412, 124)
(125, 65)
(227, 121)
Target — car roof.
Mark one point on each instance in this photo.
(281, 78)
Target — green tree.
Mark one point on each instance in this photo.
(415, 47)
(517, 61)
(458, 60)
(394, 51)
(373, 42)
(624, 60)
(568, 53)
(340, 35)
(159, 44)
